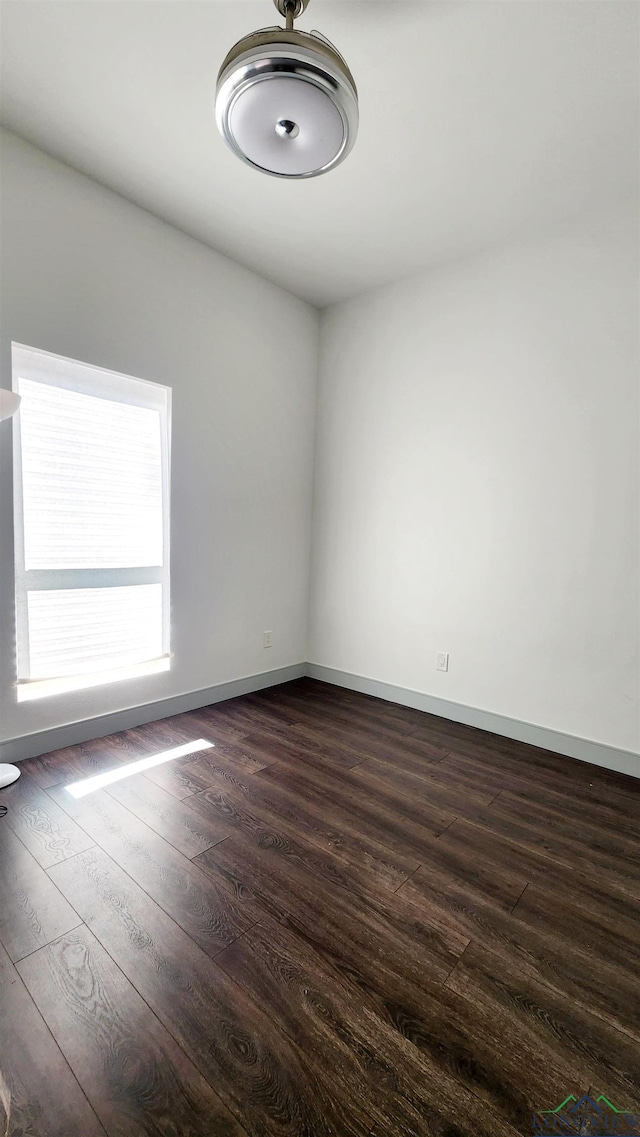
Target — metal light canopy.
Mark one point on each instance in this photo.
(286, 102)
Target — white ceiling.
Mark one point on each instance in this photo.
(480, 121)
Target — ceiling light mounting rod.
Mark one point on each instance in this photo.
(290, 13)
(290, 9)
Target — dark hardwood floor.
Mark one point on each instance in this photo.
(345, 918)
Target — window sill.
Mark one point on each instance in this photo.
(42, 688)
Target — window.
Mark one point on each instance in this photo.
(91, 465)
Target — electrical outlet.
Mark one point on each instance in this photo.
(266, 639)
(443, 661)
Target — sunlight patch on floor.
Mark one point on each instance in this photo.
(98, 781)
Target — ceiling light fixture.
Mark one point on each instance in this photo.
(286, 102)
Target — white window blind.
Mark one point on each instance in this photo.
(91, 510)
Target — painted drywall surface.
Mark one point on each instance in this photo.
(90, 276)
(477, 483)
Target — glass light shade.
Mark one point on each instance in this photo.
(259, 110)
(286, 103)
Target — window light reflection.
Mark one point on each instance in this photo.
(98, 781)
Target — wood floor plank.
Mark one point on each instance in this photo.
(612, 992)
(602, 924)
(182, 777)
(237, 757)
(433, 788)
(362, 1056)
(299, 710)
(473, 843)
(559, 786)
(406, 936)
(603, 1056)
(549, 953)
(552, 809)
(555, 834)
(136, 1077)
(90, 758)
(175, 882)
(608, 812)
(183, 728)
(539, 768)
(275, 1087)
(312, 694)
(474, 850)
(556, 767)
(32, 910)
(256, 710)
(362, 743)
(73, 762)
(372, 719)
(510, 1070)
(375, 709)
(385, 816)
(270, 812)
(43, 1097)
(142, 741)
(46, 830)
(420, 937)
(462, 855)
(406, 927)
(231, 720)
(479, 777)
(266, 747)
(189, 832)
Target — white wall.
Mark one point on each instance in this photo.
(477, 483)
(88, 275)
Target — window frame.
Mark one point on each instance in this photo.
(69, 374)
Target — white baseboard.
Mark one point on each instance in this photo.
(30, 745)
(598, 753)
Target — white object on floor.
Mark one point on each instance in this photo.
(8, 774)
(9, 403)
